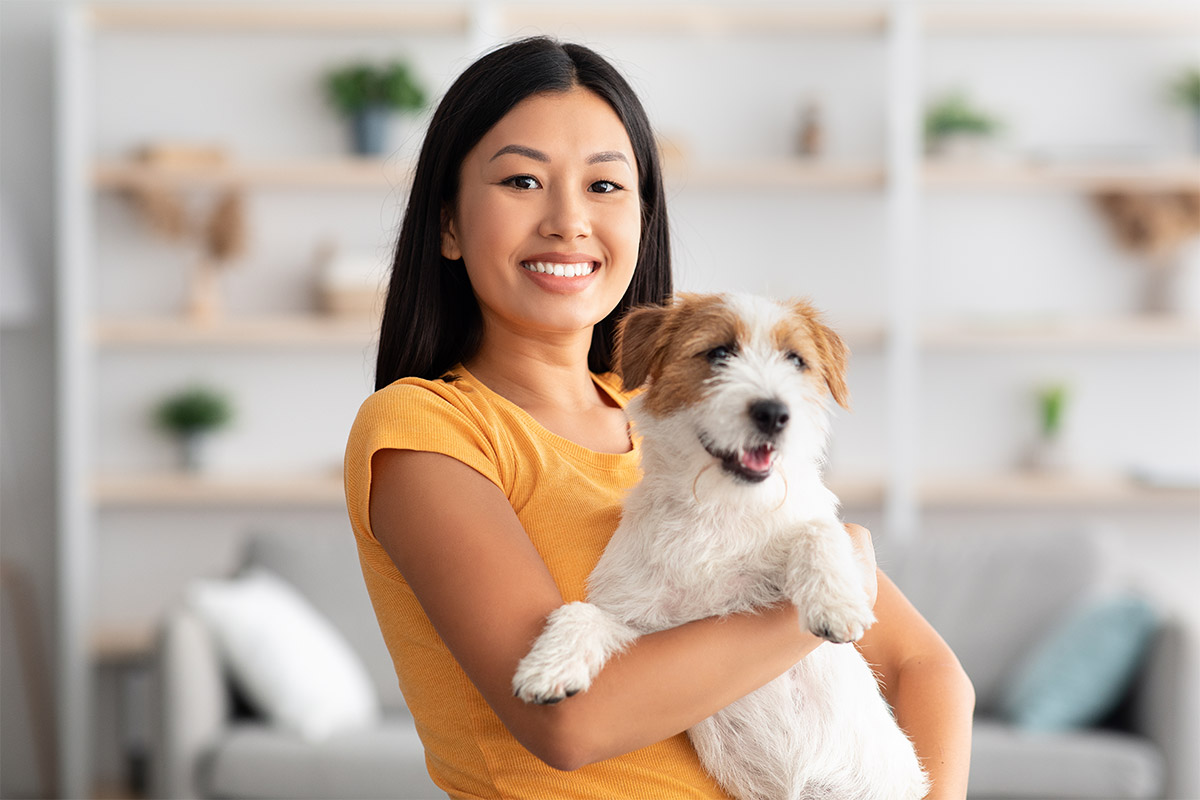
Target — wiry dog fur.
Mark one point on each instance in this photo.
(732, 514)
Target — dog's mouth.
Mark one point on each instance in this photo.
(750, 464)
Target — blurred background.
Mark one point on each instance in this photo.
(997, 203)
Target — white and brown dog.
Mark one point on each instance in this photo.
(731, 514)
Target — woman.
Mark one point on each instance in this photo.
(485, 475)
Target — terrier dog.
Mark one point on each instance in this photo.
(731, 514)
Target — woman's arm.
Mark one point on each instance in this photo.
(459, 544)
(926, 686)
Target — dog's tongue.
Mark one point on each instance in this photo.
(758, 459)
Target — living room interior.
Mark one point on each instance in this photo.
(996, 204)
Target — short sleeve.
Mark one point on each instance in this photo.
(430, 416)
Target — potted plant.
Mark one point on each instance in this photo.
(1048, 453)
(1185, 92)
(368, 95)
(956, 128)
(191, 415)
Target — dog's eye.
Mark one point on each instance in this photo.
(718, 354)
(797, 360)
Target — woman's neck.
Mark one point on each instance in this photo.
(538, 375)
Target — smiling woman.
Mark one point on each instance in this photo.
(486, 474)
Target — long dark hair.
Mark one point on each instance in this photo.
(431, 319)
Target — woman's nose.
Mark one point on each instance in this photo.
(565, 217)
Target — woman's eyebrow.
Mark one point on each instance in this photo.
(607, 155)
(537, 155)
(521, 150)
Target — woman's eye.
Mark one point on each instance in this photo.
(797, 361)
(719, 354)
(605, 187)
(522, 182)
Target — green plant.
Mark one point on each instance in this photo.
(355, 87)
(194, 410)
(955, 114)
(1052, 402)
(1185, 89)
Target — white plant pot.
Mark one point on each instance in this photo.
(1048, 455)
(962, 147)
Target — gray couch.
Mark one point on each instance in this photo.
(209, 744)
(993, 600)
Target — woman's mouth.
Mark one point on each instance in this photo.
(560, 270)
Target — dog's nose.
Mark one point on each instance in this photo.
(771, 416)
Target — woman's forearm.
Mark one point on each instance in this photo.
(934, 704)
(675, 678)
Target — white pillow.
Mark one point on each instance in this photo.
(290, 661)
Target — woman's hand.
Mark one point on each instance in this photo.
(864, 550)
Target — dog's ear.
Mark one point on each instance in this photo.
(638, 345)
(834, 358)
(831, 350)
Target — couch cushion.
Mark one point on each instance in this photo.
(1080, 673)
(325, 569)
(257, 761)
(994, 598)
(289, 661)
(1009, 763)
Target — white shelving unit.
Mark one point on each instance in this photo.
(900, 342)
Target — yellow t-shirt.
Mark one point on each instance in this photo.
(568, 498)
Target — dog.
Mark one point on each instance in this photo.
(730, 515)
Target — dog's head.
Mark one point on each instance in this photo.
(746, 377)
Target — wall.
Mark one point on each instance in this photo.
(27, 382)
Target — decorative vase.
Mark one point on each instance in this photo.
(369, 130)
(1048, 455)
(191, 451)
(961, 147)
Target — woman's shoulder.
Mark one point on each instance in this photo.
(443, 416)
(406, 397)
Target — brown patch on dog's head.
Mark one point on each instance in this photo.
(667, 346)
(805, 333)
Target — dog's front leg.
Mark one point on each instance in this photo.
(823, 582)
(577, 641)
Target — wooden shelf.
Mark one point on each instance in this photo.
(697, 18)
(1158, 176)
(284, 331)
(858, 493)
(1117, 332)
(1154, 17)
(449, 18)
(110, 646)
(1031, 491)
(783, 172)
(153, 490)
(330, 173)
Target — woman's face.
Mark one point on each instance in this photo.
(548, 218)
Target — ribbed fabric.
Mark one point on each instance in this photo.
(568, 498)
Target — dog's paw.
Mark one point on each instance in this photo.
(576, 643)
(840, 623)
(545, 683)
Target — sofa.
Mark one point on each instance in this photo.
(995, 600)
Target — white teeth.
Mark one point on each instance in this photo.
(561, 270)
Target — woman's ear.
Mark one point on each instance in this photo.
(450, 248)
